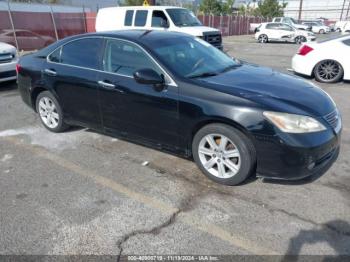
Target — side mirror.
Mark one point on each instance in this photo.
(148, 77)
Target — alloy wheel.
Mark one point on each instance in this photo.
(263, 39)
(300, 39)
(328, 70)
(48, 112)
(219, 155)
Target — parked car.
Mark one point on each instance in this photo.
(8, 61)
(346, 29)
(165, 18)
(318, 27)
(178, 93)
(282, 32)
(339, 26)
(291, 21)
(27, 40)
(328, 61)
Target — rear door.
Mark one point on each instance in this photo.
(71, 72)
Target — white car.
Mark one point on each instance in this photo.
(318, 27)
(328, 61)
(346, 29)
(164, 18)
(8, 61)
(282, 32)
(339, 26)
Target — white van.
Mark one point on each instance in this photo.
(156, 18)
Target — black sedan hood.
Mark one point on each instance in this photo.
(278, 91)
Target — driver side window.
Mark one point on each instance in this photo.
(286, 27)
(124, 58)
(159, 19)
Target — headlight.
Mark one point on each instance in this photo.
(291, 123)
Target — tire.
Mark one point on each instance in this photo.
(263, 39)
(228, 165)
(328, 71)
(300, 39)
(322, 31)
(338, 30)
(50, 112)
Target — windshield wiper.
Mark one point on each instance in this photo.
(202, 75)
(229, 68)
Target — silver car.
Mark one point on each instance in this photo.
(8, 61)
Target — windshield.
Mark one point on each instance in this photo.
(294, 21)
(183, 17)
(192, 57)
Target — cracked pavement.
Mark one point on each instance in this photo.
(81, 192)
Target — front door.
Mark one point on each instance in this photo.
(138, 110)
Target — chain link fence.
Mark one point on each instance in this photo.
(34, 26)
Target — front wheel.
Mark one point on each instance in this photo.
(50, 112)
(322, 31)
(223, 154)
(300, 39)
(328, 71)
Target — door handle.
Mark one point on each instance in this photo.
(50, 72)
(106, 85)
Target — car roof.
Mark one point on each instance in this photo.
(138, 34)
(142, 37)
(157, 7)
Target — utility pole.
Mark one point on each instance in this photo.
(347, 13)
(300, 9)
(342, 10)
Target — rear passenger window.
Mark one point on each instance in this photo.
(141, 18)
(56, 56)
(128, 17)
(271, 26)
(83, 53)
(125, 58)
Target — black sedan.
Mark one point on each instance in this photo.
(178, 93)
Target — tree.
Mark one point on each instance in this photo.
(210, 7)
(270, 8)
(216, 7)
(226, 7)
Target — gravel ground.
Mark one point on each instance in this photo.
(81, 192)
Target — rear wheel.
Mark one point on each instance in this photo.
(50, 112)
(223, 154)
(263, 39)
(300, 39)
(322, 31)
(328, 71)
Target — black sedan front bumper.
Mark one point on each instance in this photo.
(290, 160)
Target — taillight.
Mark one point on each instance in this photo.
(18, 68)
(304, 50)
